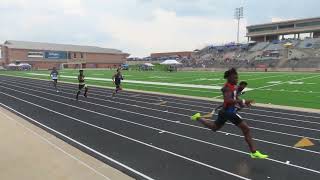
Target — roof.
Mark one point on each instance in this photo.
(286, 22)
(59, 47)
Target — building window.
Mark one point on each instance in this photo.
(263, 29)
(308, 24)
(81, 55)
(286, 26)
(33, 54)
(74, 55)
(69, 55)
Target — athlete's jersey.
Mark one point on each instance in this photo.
(54, 74)
(81, 79)
(233, 95)
(118, 77)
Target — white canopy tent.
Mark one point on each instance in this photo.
(12, 65)
(170, 62)
(148, 64)
(24, 64)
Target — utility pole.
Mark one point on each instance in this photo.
(238, 15)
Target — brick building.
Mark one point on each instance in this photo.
(48, 55)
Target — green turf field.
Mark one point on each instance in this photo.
(291, 89)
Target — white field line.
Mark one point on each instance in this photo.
(286, 82)
(142, 82)
(264, 77)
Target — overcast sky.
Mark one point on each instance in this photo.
(140, 27)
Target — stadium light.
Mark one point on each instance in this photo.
(238, 14)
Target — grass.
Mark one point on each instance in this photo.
(280, 88)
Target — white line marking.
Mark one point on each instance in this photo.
(178, 122)
(310, 77)
(141, 82)
(70, 139)
(266, 77)
(180, 115)
(296, 166)
(129, 138)
(53, 144)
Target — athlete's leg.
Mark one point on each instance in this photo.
(247, 135)
(86, 91)
(209, 124)
(79, 91)
(214, 126)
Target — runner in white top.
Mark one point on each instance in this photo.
(54, 75)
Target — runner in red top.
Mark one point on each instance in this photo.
(229, 112)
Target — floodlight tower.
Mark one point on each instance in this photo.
(238, 15)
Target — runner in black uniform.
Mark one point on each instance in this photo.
(54, 76)
(228, 113)
(116, 78)
(82, 85)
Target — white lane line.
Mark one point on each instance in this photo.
(211, 104)
(193, 101)
(157, 129)
(54, 145)
(132, 139)
(266, 130)
(172, 102)
(72, 140)
(178, 122)
(142, 82)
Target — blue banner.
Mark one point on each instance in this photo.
(55, 55)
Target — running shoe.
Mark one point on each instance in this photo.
(258, 155)
(196, 117)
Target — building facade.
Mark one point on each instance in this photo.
(48, 55)
(277, 30)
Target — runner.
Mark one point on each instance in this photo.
(116, 78)
(54, 76)
(82, 84)
(228, 112)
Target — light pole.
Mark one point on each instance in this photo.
(238, 14)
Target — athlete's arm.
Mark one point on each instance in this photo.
(113, 77)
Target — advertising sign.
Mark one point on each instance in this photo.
(55, 55)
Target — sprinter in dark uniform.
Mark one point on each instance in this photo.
(228, 112)
(117, 78)
(82, 85)
(54, 76)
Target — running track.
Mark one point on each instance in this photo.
(136, 135)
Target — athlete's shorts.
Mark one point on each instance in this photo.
(81, 86)
(224, 116)
(55, 80)
(118, 84)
